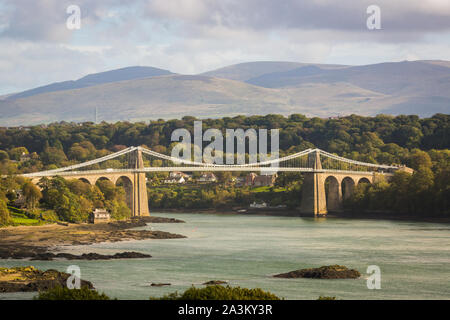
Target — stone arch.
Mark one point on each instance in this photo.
(348, 187)
(103, 178)
(127, 184)
(333, 193)
(85, 180)
(364, 180)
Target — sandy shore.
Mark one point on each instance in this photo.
(32, 241)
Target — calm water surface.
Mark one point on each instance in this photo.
(414, 257)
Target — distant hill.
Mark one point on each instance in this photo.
(248, 70)
(415, 77)
(128, 73)
(142, 93)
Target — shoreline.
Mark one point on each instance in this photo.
(41, 242)
(295, 213)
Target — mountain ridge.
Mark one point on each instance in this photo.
(143, 93)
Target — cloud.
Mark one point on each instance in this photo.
(193, 36)
(349, 15)
(45, 20)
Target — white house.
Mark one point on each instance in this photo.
(207, 177)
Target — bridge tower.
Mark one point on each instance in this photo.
(139, 195)
(313, 190)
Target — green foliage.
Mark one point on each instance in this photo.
(419, 143)
(193, 196)
(422, 193)
(4, 155)
(378, 138)
(21, 217)
(419, 159)
(32, 194)
(74, 200)
(64, 293)
(221, 293)
(53, 155)
(5, 218)
(15, 153)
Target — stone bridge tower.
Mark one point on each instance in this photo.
(313, 189)
(139, 194)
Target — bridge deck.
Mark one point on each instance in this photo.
(203, 169)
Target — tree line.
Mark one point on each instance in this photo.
(420, 143)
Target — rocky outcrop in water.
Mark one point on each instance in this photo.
(152, 219)
(214, 282)
(91, 256)
(159, 284)
(28, 279)
(36, 242)
(324, 272)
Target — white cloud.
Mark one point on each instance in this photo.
(193, 36)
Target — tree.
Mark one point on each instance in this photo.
(15, 153)
(4, 213)
(422, 180)
(32, 194)
(419, 159)
(4, 155)
(53, 155)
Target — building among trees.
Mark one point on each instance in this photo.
(99, 216)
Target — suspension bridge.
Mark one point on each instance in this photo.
(129, 166)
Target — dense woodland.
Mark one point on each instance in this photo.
(422, 144)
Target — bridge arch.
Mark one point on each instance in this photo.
(348, 187)
(127, 184)
(100, 178)
(333, 193)
(364, 180)
(85, 180)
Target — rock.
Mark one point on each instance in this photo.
(160, 284)
(27, 279)
(214, 282)
(324, 272)
(130, 255)
(152, 219)
(89, 256)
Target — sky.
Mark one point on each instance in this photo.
(194, 36)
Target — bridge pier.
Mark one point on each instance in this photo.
(140, 199)
(313, 189)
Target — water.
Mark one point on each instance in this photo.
(414, 257)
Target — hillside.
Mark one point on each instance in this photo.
(248, 70)
(143, 93)
(128, 73)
